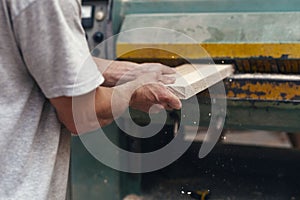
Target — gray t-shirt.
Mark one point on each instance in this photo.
(42, 48)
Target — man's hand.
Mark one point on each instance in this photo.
(151, 93)
(119, 72)
(154, 96)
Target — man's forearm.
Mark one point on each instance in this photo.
(102, 64)
(117, 72)
(110, 103)
(84, 113)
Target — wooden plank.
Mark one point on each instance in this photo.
(194, 78)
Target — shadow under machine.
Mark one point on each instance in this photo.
(261, 39)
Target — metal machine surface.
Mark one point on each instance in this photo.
(96, 20)
(260, 38)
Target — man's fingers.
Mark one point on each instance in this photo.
(173, 102)
(158, 67)
(166, 79)
(169, 100)
(167, 70)
(153, 98)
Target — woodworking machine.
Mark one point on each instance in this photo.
(261, 39)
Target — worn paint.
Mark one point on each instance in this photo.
(121, 8)
(263, 90)
(203, 50)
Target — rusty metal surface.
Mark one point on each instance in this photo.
(264, 87)
(268, 65)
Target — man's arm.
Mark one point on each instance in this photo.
(87, 112)
(119, 72)
(81, 111)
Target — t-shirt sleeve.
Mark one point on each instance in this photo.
(53, 45)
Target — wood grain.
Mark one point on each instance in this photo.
(194, 78)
